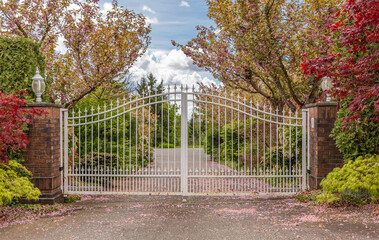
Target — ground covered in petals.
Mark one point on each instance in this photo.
(175, 217)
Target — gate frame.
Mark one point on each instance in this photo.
(184, 141)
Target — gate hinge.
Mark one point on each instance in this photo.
(308, 171)
(60, 169)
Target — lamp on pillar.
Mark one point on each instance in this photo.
(326, 85)
(38, 86)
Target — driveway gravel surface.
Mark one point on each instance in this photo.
(177, 217)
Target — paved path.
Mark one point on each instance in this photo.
(197, 159)
(200, 163)
(168, 217)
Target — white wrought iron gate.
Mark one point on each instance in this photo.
(184, 141)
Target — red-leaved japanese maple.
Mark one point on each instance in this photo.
(13, 119)
(353, 63)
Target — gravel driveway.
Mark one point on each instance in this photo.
(169, 217)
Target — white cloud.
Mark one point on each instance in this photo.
(173, 67)
(73, 6)
(147, 9)
(107, 6)
(153, 20)
(61, 48)
(184, 4)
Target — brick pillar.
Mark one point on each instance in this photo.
(42, 156)
(324, 155)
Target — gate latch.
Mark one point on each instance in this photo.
(60, 169)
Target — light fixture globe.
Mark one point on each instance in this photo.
(38, 86)
(326, 85)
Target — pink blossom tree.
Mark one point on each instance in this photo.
(101, 45)
(258, 46)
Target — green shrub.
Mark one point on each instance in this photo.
(19, 58)
(291, 155)
(357, 182)
(308, 196)
(72, 198)
(107, 160)
(15, 183)
(166, 145)
(230, 144)
(356, 138)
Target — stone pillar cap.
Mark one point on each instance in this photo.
(44, 104)
(321, 104)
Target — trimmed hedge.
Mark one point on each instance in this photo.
(19, 58)
(356, 138)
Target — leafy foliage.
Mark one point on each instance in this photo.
(13, 120)
(15, 183)
(356, 182)
(149, 84)
(289, 153)
(98, 150)
(108, 143)
(355, 138)
(258, 46)
(308, 196)
(352, 63)
(72, 198)
(101, 45)
(166, 113)
(236, 143)
(19, 58)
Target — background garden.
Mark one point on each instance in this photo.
(272, 51)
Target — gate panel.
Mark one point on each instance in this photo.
(124, 147)
(239, 146)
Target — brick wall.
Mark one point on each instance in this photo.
(324, 155)
(42, 156)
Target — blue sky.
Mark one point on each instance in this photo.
(170, 20)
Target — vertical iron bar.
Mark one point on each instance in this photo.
(184, 144)
(174, 130)
(168, 128)
(123, 148)
(65, 120)
(304, 114)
